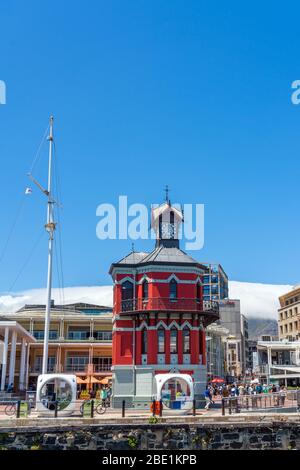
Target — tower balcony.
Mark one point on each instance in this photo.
(208, 308)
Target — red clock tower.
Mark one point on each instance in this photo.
(159, 317)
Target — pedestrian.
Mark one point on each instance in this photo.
(282, 395)
(208, 398)
(103, 395)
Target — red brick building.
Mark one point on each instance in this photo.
(159, 317)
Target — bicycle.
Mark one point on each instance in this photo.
(10, 409)
(99, 408)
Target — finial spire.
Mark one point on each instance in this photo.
(167, 194)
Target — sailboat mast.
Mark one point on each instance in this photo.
(50, 227)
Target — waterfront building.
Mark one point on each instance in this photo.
(216, 351)
(80, 342)
(215, 282)
(253, 358)
(159, 315)
(237, 342)
(15, 342)
(289, 315)
(279, 362)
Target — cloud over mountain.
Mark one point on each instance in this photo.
(257, 300)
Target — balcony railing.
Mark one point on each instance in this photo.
(167, 304)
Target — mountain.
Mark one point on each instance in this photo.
(260, 326)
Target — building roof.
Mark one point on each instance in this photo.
(15, 326)
(160, 255)
(77, 307)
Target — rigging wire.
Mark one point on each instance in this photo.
(21, 203)
(11, 231)
(38, 153)
(58, 272)
(27, 260)
(58, 207)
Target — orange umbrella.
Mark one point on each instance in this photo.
(79, 380)
(93, 380)
(106, 380)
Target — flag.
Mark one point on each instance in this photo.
(28, 191)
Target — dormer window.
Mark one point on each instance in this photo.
(173, 290)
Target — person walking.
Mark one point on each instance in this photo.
(282, 395)
(103, 395)
(208, 398)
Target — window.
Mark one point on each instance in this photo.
(102, 364)
(206, 290)
(173, 289)
(38, 363)
(186, 337)
(39, 334)
(78, 334)
(127, 296)
(198, 291)
(144, 341)
(145, 290)
(127, 290)
(173, 340)
(103, 335)
(161, 340)
(172, 231)
(77, 363)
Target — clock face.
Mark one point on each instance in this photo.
(167, 230)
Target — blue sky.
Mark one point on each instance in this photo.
(196, 95)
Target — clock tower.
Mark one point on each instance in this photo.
(159, 317)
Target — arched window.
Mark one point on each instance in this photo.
(173, 289)
(198, 292)
(144, 338)
(161, 340)
(127, 296)
(145, 290)
(186, 338)
(173, 340)
(127, 290)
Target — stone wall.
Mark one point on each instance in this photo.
(154, 437)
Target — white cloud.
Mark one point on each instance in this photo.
(99, 295)
(257, 300)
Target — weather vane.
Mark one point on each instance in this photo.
(167, 189)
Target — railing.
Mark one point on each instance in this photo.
(161, 304)
(275, 369)
(282, 401)
(38, 368)
(102, 368)
(76, 368)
